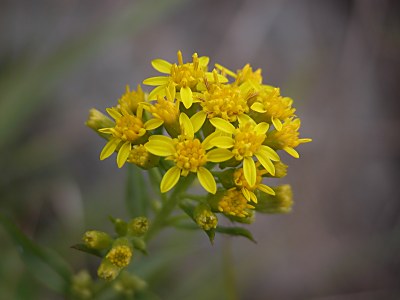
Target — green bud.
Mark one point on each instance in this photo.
(107, 270)
(138, 226)
(97, 240)
(120, 226)
(97, 120)
(204, 217)
(140, 244)
(282, 202)
(81, 286)
(280, 170)
(128, 284)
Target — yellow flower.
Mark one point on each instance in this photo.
(245, 77)
(186, 77)
(166, 109)
(272, 107)
(120, 255)
(142, 158)
(287, 138)
(129, 130)
(233, 203)
(225, 101)
(246, 143)
(188, 153)
(248, 190)
(130, 100)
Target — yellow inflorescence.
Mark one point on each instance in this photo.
(205, 122)
(189, 155)
(233, 203)
(120, 256)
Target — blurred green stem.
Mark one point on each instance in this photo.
(168, 206)
(228, 270)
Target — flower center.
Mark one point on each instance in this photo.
(129, 128)
(120, 256)
(186, 75)
(289, 135)
(189, 156)
(234, 203)
(247, 141)
(275, 105)
(240, 181)
(165, 110)
(225, 102)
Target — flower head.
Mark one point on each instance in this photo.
(233, 203)
(288, 137)
(246, 143)
(130, 100)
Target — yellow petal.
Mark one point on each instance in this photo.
(277, 124)
(292, 152)
(207, 141)
(246, 194)
(106, 130)
(269, 152)
(114, 113)
(186, 96)
(206, 180)
(261, 128)
(203, 61)
(253, 197)
(109, 148)
(301, 141)
(258, 107)
(224, 142)
(219, 155)
(223, 125)
(123, 154)
(160, 148)
(170, 92)
(210, 77)
(157, 80)
(153, 124)
(225, 70)
(162, 138)
(249, 171)
(158, 91)
(198, 120)
(161, 65)
(266, 189)
(186, 125)
(170, 179)
(245, 119)
(266, 162)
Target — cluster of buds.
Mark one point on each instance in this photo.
(224, 127)
(116, 252)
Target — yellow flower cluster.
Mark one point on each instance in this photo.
(207, 123)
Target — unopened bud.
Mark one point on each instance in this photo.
(282, 202)
(121, 253)
(138, 226)
(107, 270)
(204, 217)
(82, 285)
(128, 284)
(97, 240)
(97, 120)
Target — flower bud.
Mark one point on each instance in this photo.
(138, 226)
(97, 239)
(107, 270)
(143, 158)
(204, 217)
(120, 226)
(282, 202)
(81, 286)
(121, 253)
(97, 120)
(128, 284)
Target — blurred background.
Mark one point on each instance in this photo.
(339, 60)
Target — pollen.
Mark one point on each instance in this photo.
(120, 256)
(189, 156)
(188, 74)
(224, 101)
(128, 128)
(247, 141)
(234, 203)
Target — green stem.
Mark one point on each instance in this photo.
(159, 221)
(193, 197)
(228, 271)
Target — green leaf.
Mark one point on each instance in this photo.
(137, 200)
(86, 249)
(236, 231)
(46, 265)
